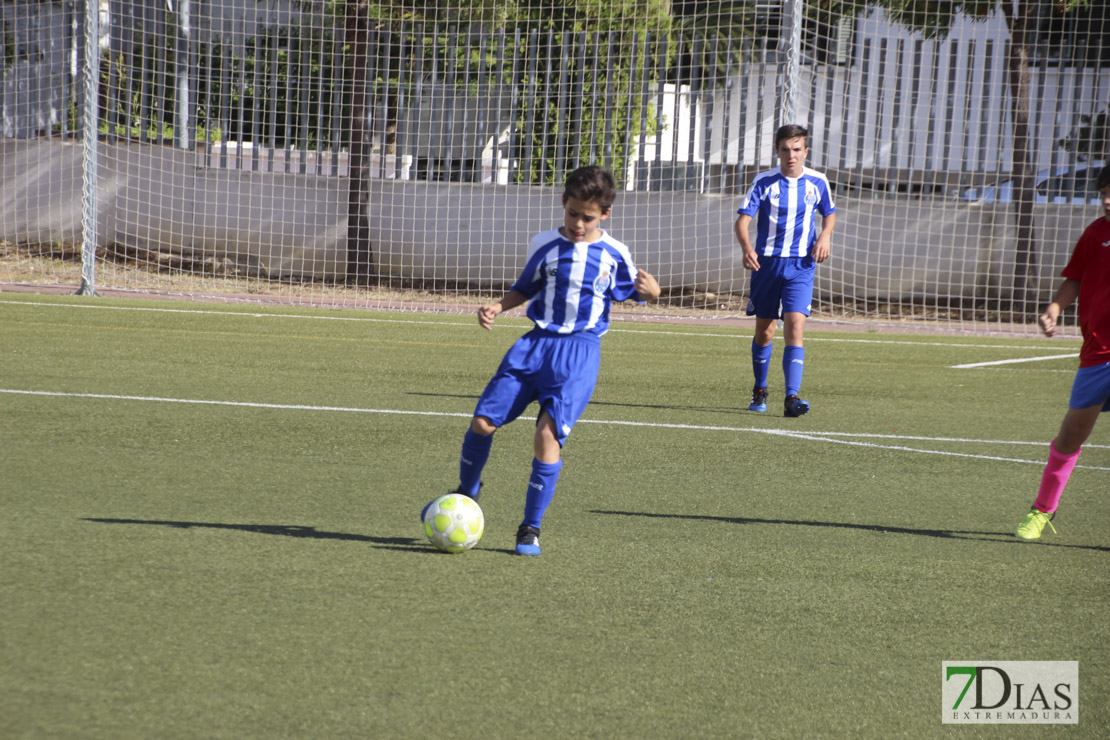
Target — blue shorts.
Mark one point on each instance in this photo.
(1091, 387)
(781, 285)
(559, 371)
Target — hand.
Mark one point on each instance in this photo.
(1048, 323)
(822, 250)
(751, 260)
(647, 287)
(486, 315)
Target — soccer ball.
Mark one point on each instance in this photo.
(454, 522)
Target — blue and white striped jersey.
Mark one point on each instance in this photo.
(783, 209)
(572, 286)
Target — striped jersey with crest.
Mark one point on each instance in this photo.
(783, 208)
(572, 286)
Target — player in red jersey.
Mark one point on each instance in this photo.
(1086, 277)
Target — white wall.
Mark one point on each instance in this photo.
(155, 202)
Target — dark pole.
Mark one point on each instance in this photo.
(1021, 23)
(360, 258)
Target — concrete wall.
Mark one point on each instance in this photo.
(157, 201)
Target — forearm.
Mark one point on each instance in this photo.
(1065, 296)
(751, 259)
(511, 300)
(740, 228)
(490, 311)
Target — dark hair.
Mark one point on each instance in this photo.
(791, 131)
(592, 183)
(1103, 178)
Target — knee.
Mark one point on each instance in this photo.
(794, 325)
(546, 444)
(546, 447)
(1076, 427)
(764, 333)
(1068, 441)
(482, 425)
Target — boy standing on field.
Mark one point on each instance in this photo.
(783, 260)
(1086, 276)
(572, 276)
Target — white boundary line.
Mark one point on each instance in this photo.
(812, 436)
(247, 404)
(249, 314)
(1011, 362)
(614, 330)
(941, 439)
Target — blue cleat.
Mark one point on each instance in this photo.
(759, 399)
(527, 541)
(794, 406)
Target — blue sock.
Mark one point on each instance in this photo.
(541, 488)
(475, 452)
(793, 365)
(761, 362)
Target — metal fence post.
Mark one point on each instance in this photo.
(792, 38)
(89, 210)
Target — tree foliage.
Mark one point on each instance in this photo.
(575, 68)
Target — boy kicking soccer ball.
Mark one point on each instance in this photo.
(1086, 276)
(572, 276)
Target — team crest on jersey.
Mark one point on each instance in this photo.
(601, 283)
(811, 196)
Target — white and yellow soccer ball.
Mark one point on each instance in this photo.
(454, 522)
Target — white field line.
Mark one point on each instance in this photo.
(868, 435)
(1011, 362)
(615, 330)
(247, 404)
(901, 448)
(249, 314)
(812, 436)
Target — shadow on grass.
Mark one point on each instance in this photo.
(594, 402)
(407, 544)
(950, 534)
(404, 544)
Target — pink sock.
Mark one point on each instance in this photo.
(1056, 474)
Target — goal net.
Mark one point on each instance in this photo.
(400, 155)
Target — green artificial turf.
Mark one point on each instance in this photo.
(253, 566)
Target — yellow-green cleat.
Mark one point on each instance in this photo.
(1033, 523)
